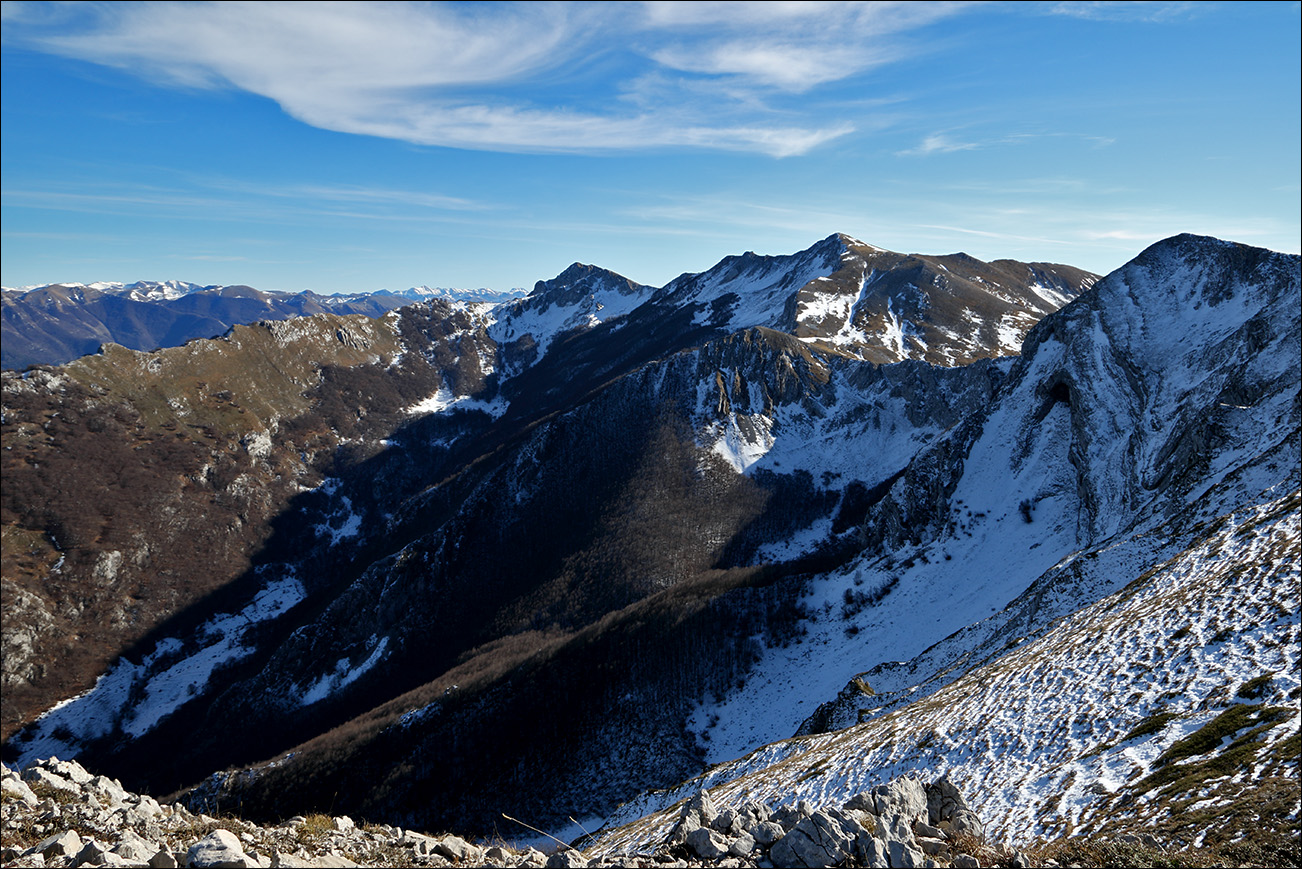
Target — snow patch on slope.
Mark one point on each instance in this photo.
(343, 674)
(171, 675)
(445, 400)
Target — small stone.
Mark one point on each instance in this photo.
(408, 839)
(534, 857)
(15, 788)
(966, 861)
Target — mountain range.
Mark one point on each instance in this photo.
(56, 323)
(795, 524)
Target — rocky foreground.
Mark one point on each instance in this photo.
(55, 813)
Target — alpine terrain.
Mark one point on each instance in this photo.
(58, 322)
(788, 529)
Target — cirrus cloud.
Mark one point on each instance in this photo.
(529, 77)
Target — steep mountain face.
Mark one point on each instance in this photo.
(847, 296)
(57, 323)
(544, 557)
(1127, 512)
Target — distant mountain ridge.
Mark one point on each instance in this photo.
(841, 294)
(56, 323)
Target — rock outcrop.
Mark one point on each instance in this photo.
(55, 813)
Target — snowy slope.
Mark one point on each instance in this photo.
(1142, 426)
(1038, 736)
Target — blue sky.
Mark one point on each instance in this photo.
(344, 147)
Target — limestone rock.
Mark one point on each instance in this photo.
(871, 852)
(825, 838)
(92, 853)
(933, 847)
(15, 788)
(39, 776)
(708, 844)
(922, 829)
(702, 806)
(456, 848)
(496, 856)
(686, 825)
(729, 822)
(69, 769)
(767, 832)
(903, 854)
(567, 859)
(790, 815)
(220, 849)
(904, 797)
(65, 844)
(331, 861)
(742, 846)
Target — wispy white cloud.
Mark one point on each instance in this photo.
(1128, 10)
(792, 46)
(225, 199)
(942, 143)
(938, 143)
(510, 77)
